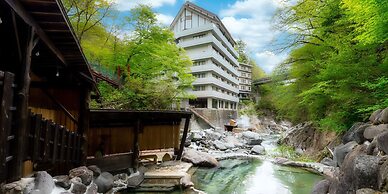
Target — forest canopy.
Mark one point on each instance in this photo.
(338, 64)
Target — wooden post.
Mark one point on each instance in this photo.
(6, 97)
(55, 142)
(83, 125)
(135, 159)
(184, 136)
(22, 102)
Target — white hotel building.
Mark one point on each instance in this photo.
(211, 47)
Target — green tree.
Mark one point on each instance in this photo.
(337, 66)
(159, 69)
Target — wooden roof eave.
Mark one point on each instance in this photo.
(19, 9)
(66, 61)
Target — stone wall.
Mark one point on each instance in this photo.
(218, 117)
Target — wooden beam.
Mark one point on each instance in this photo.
(63, 108)
(184, 136)
(16, 31)
(19, 9)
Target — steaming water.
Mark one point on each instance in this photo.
(255, 176)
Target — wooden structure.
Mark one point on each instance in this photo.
(133, 131)
(45, 86)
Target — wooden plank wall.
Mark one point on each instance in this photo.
(120, 139)
(40, 103)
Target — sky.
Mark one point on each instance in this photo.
(248, 20)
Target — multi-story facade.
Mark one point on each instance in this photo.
(211, 47)
(245, 80)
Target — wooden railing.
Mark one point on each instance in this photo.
(48, 144)
(52, 143)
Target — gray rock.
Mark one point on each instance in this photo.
(322, 187)
(366, 171)
(62, 181)
(341, 151)
(374, 117)
(371, 147)
(367, 191)
(382, 178)
(44, 183)
(76, 180)
(92, 189)
(219, 145)
(258, 149)
(78, 188)
(199, 158)
(195, 136)
(355, 133)
(374, 130)
(186, 181)
(84, 173)
(25, 186)
(328, 162)
(383, 116)
(250, 135)
(254, 141)
(96, 171)
(229, 145)
(135, 179)
(104, 182)
(382, 142)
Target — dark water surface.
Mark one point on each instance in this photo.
(254, 177)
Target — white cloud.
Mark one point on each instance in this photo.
(126, 5)
(164, 19)
(269, 60)
(251, 21)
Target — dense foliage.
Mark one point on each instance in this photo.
(337, 70)
(155, 70)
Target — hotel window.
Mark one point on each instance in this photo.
(199, 36)
(198, 63)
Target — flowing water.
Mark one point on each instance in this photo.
(254, 176)
(238, 176)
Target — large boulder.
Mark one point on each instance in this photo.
(44, 183)
(383, 116)
(199, 158)
(82, 172)
(104, 182)
(382, 178)
(322, 187)
(341, 151)
(258, 149)
(365, 171)
(355, 133)
(375, 130)
(382, 142)
(374, 117)
(251, 135)
(96, 171)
